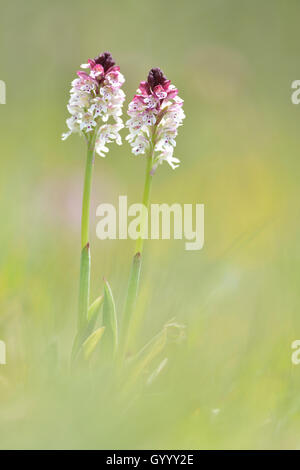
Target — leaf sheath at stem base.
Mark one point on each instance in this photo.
(132, 291)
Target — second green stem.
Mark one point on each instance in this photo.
(134, 278)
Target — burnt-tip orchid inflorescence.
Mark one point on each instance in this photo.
(96, 97)
(155, 115)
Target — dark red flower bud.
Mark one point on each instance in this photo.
(105, 60)
(156, 77)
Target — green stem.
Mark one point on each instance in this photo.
(134, 277)
(146, 199)
(86, 201)
(132, 291)
(84, 287)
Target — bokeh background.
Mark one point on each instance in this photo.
(231, 383)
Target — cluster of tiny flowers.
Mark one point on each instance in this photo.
(95, 97)
(155, 115)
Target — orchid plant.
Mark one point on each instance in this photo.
(155, 113)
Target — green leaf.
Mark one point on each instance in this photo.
(94, 311)
(171, 332)
(110, 319)
(91, 342)
(157, 371)
(92, 316)
(130, 300)
(150, 351)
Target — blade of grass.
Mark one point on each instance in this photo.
(94, 311)
(92, 315)
(110, 320)
(171, 332)
(139, 363)
(91, 342)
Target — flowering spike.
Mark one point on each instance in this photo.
(95, 98)
(155, 115)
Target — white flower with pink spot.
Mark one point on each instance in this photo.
(96, 101)
(155, 115)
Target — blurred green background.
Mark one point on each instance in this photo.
(231, 383)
